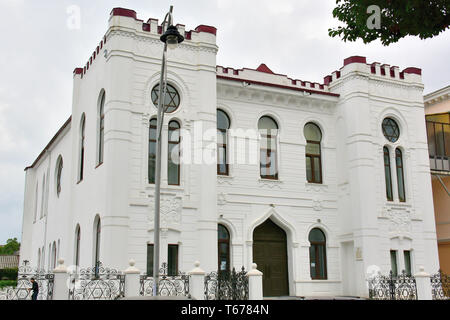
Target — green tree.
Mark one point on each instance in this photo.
(397, 19)
(12, 245)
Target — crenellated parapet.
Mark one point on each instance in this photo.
(375, 70)
(126, 20)
(266, 77)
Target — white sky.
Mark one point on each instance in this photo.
(39, 52)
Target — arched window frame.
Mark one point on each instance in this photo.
(82, 148)
(222, 145)
(268, 151)
(58, 175)
(97, 241)
(36, 199)
(312, 157)
(400, 175)
(227, 242)
(151, 176)
(388, 174)
(318, 261)
(77, 245)
(101, 129)
(54, 258)
(42, 198)
(174, 139)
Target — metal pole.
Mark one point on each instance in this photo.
(159, 124)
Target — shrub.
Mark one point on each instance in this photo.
(8, 283)
(8, 274)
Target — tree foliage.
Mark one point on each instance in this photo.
(398, 19)
(11, 246)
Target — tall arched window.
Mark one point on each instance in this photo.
(59, 167)
(400, 176)
(36, 202)
(42, 198)
(77, 245)
(42, 265)
(223, 248)
(268, 130)
(82, 146)
(53, 264)
(39, 259)
(101, 129)
(317, 254)
(173, 159)
(152, 151)
(97, 232)
(387, 174)
(313, 157)
(223, 124)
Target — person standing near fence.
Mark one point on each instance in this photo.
(34, 288)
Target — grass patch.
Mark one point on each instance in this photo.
(8, 283)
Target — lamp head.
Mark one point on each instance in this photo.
(172, 37)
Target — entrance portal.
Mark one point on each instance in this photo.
(270, 254)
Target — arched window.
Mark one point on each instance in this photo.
(317, 254)
(77, 245)
(313, 157)
(223, 248)
(387, 174)
(39, 259)
(268, 130)
(223, 124)
(53, 256)
(400, 176)
(97, 231)
(36, 202)
(390, 129)
(173, 159)
(42, 265)
(152, 151)
(82, 146)
(101, 129)
(42, 197)
(59, 167)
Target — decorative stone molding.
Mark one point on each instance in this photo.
(399, 217)
(317, 204)
(271, 184)
(170, 213)
(314, 187)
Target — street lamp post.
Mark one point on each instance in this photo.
(171, 38)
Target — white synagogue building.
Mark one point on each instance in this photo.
(315, 183)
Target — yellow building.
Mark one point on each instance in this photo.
(437, 114)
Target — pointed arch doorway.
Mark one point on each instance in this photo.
(270, 254)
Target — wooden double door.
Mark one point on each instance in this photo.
(270, 254)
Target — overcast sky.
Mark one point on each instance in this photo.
(40, 49)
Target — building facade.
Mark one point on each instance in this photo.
(316, 183)
(437, 113)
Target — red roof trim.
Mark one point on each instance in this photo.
(354, 59)
(263, 68)
(207, 29)
(50, 143)
(278, 86)
(413, 70)
(123, 12)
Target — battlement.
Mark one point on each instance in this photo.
(359, 64)
(266, 77)
(121, 17)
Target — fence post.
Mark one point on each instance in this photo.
(197, 282)
(61, 282)
(255, 283)
(132, 280)
(423, 285)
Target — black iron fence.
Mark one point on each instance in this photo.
(440, 286)
(23, 291)
(391, 287)
(168, 285)
(225, 285)
(97, 283)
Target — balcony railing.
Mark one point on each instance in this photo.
(438, 134)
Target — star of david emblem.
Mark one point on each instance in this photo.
(390, 130)
(172, 98)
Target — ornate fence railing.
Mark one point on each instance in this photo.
(440, 286)
(97, 283)
(225, 285)
(390, 287)
(23, 291)
(169, 285)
